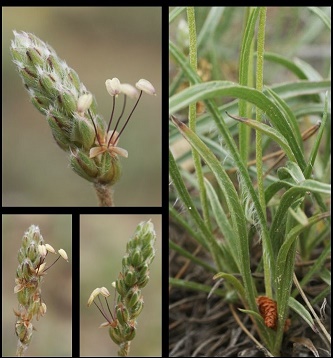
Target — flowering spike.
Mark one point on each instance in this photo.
(122, 326)
(29, 277)
(70, 110)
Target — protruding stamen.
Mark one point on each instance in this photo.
(146, 87)
(97, 136)
(124, 126)
(111, 117)
(113, 86)
(63, 254)
(105, 292)
(115, 128)
(93, 295)
(50, 248)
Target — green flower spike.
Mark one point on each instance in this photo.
(70, 110)
(134, 276)
(29, 277)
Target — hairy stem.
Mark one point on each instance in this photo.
(104, 194)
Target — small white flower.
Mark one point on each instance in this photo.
(112, 148)
(145, 86)
(113, 86)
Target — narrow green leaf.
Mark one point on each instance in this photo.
(186, 225)
(254, 314)
(223, 223)
(190, 285)
(225, 88)
(192, 258)
(233, 203)
(212, 20)
(291, 237)
(234, 282)
(295, 172)
(185, 196)
(315, 147)
(302, 312)
(285, 62)
(288, 114)
(271, 132)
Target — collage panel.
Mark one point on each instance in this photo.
(36, 285)
(120, 285)
(250, 181)
(82, 90)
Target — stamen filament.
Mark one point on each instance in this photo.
(129, 116)
(115, 128)
(109, 309)
(94, 128)
(52, 264)
(41, 260)
(102, 307)
(111, 117)
(102, 312)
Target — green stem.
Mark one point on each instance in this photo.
(193, 114)
(259, 162)
(246, 78)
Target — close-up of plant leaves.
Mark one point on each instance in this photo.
(249, 171)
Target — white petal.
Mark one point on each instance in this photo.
(120, 151)
(96, 150)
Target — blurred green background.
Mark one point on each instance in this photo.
(56, 326)
(99, 43)
(102, 247)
